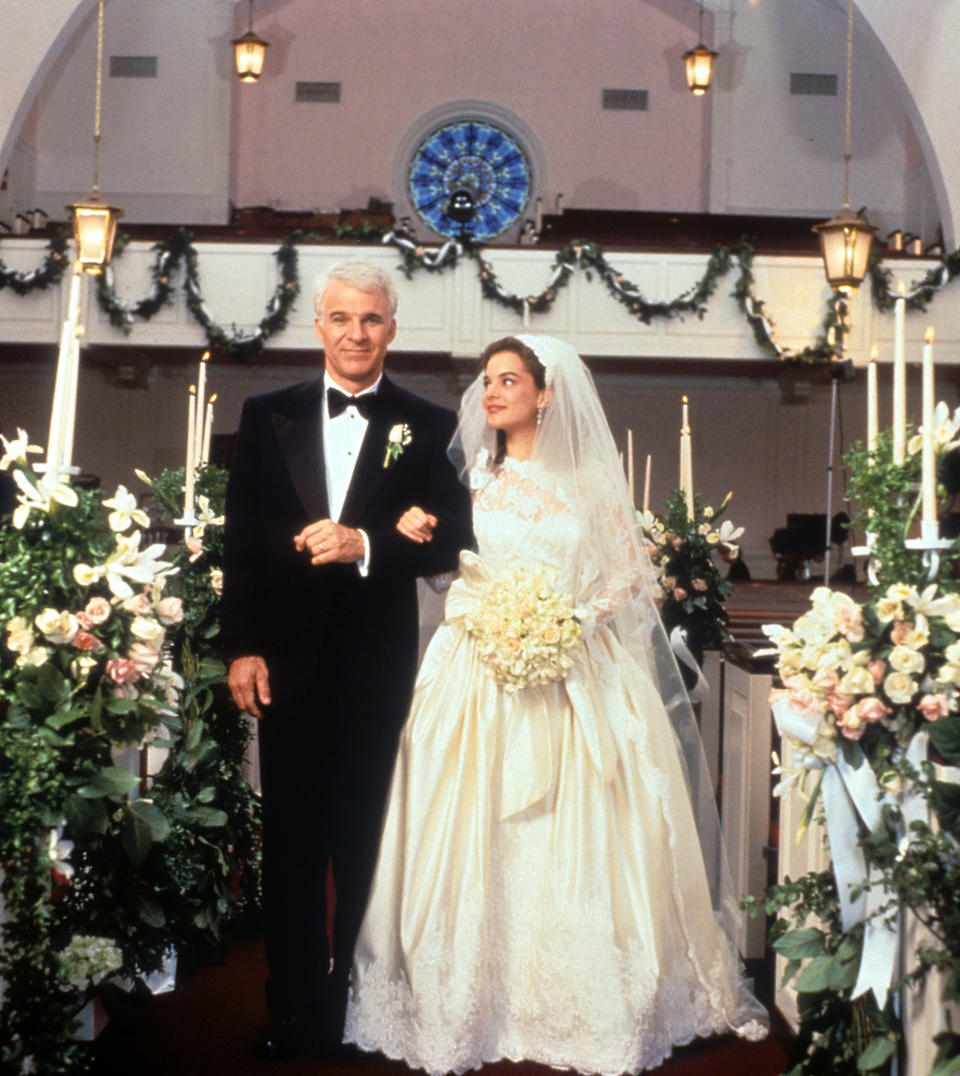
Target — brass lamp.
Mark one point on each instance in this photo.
(95, 222)
(699, 63)
(249, 51)
(94, 229)
(846, 239)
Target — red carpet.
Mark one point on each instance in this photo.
(208, 1024)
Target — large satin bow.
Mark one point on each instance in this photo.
(533, 716)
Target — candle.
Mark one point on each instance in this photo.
(646, 486)
(928, 485)
(198, 422)
(191, 453)
(208, 430)
(872, 400)
(70, 412)
(899, 377)
(686, 460)
(64, 392)
(633, 497)
(538, 223)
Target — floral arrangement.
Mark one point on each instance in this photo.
(123, 813)
(682, 548)
(527, 632)
(870, 702)
(875, 672)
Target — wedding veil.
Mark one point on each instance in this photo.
(574, 444)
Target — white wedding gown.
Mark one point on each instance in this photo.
(540, 892)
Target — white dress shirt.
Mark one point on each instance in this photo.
(342, 438)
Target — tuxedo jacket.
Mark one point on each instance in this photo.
(321, 624)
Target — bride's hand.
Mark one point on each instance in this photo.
(417, 525)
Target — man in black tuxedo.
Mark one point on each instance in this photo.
(320, 630)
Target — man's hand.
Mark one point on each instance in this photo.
(330, 543)
(250, 684)
(417, 525)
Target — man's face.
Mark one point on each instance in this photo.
(355, 328)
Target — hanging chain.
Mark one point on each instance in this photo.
(98, 93)
(846, 126)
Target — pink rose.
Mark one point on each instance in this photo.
(98, 611)
(677, 543)
(838, 705)
(933, 707)
(850, 623)
(699, 584)
(125, 691)
(900, 632)
(826, 680)
(84, 640)
(872, 709)
(195, 545)
(851, 726)
(84, 621)
(878, 669)
(679, 593)
(122, 670)
(139, 605)
(144, 658)
(806, 701)
(169, 610)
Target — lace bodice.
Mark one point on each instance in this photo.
(522, 514)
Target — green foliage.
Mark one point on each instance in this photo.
(101, 673)
(682, 550)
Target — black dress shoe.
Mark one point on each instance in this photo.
(280, 1040)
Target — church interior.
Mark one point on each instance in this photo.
(668, 235)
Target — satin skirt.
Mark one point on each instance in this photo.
(539, 893)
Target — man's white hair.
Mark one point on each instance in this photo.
(362, 275)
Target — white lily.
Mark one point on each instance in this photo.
(728, 533)
(16, 451)
(205, 516)
(58, 851)
(125, 511)
(129, 562)
(40, 494)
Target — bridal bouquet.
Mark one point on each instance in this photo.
(527, 632)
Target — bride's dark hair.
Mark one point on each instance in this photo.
(533, 365)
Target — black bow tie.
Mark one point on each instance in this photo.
(338, 402)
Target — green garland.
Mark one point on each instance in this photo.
(179, 251)
(54, 266)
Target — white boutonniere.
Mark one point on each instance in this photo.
(397, 440)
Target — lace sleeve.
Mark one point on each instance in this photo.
(629, 577)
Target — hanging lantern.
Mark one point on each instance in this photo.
(95, 222)
(845, 243)
(845, 240)
(699, 63)
(94, 229)
(249, 52)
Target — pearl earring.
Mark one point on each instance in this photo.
(539, 416)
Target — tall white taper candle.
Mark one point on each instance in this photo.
(872, 420)
(899, 376)
(191, 463)
(928, 484)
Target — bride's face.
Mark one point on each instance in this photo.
(511, 396)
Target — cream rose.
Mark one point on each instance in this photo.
(57, 627)
(148, 631)
(905, 660)
(899, 688)
(98, 610)
(169, 610)
(856, 681)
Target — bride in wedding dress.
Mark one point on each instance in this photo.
(550, 884)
